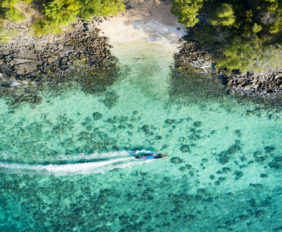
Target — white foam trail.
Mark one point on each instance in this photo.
(119, 154)
(6, 156)
(71, 168)
(84, 166)
(82, 156)
(120, 159)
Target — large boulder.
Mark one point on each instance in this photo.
(25, 68)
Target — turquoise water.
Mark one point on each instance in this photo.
(222, 173)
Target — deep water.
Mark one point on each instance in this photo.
(222, 173)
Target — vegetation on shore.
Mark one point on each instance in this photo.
(59, 13)
(55, 13)
(245, 35)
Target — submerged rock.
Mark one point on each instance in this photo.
(110, 99)
(197, 123)
(185, 148)
(97, 116)
(269, 149)
(170, 121)
(238, 133)
(176, 160)
(225, 156)
(238, 174)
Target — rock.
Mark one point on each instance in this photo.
(176, 160)
(189, 217)
(269, 149)
(170, 121)
(197, 124)
(51, 59)
(185, 148)
(4, 52)
(96, 116)
(145, 129)
(229, 83)
(18, 61)
(79, 51)
(238, 174)
(256, 186)
(37, 100)
(25, 68)
(243, 217)
(200, 70)
(5, 85)
(27, 54)
(247, 87)
(263, 175)
(224, 158)
(111, 99)
(274, 165)
(259, 213)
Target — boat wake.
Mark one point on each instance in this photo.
(80, 164)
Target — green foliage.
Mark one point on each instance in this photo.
(8, 3)
(224, 16)
(7, 7)
(58, 13)
(6, 35)
(44, 26)
(256, 28)
(205, 34)
(13, 14)
(250, 56)
(241, 30)
(90, 8)
(276, 27)
(271, 58)
(62, 12)
(241, 54)
(187, 11)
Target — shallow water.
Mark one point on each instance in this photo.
(223, 172)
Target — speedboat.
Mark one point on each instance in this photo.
(150, 156)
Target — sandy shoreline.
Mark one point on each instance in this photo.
(150, 21)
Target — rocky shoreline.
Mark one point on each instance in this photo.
(267, 85)
(79, 55)
(252, 84)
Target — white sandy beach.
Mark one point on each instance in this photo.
(148, 21)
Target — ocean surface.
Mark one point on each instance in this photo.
(65, 164)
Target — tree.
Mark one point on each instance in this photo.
(241, 54)
(256, 28)
(105, 8)
(59, 13)
(9, 10)
(224, 16)
(187, 11)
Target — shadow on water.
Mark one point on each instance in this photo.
(188, 87)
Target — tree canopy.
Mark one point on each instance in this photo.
(242, 31)
(223, 16)
(187, 11)
(58, 13)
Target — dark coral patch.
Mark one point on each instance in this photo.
(176, 160)
(96, 116)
